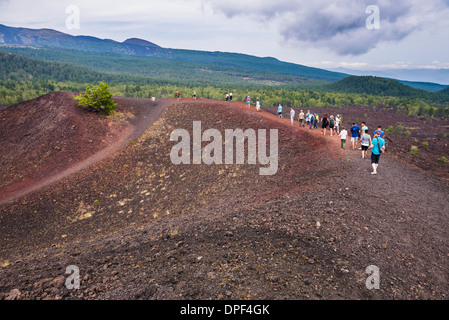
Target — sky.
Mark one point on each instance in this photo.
(359, 35)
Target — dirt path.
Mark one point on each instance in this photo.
(146, 116)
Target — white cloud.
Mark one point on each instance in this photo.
(340, 25)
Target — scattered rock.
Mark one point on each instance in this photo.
(14, 294)
(58, 282)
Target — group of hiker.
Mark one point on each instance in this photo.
(178, 95)
(358, 134)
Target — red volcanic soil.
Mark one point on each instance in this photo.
(49, 138)
(139, 227)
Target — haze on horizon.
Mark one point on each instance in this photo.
(411, 34)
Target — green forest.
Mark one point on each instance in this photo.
(23, 79)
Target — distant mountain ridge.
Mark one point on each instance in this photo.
(48, 38)
(138, 57)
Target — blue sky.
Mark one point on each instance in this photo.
(320, 33)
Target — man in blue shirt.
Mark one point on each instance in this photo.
(355, 134)
(379, 129)
(377, 148)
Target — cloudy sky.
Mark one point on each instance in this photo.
(362, 34)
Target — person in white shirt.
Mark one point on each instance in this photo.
(343, 134)
(337, 124)
(301, 118)
(292, 115)
(258, 105)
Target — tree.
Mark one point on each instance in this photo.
(98, 99)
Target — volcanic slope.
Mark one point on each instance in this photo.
(140, 227)
(47, 138)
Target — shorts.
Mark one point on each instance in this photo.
(279, 113)
(331, 127)
(365, 148)
(354, 139)
(375, 158)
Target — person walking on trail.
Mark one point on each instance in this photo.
(355, 134)
(364, 128)
(301, 119)
(324, 123)
(315, 122)
(153, 100)
(365, 141)
(194, 95)
(280, 111)
(230, 96)
(258, 105)
(307, 117)
(343, 134)
(377, 147)
(292, 115)
(337, 124)
(178, 95)
(248, 102)
(312, 120)
(332, 125)
(227, 97)
(381, 132)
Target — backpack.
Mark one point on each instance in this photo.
(332, 122)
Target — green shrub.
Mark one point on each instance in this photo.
(98, 99)
(414, 150)
(408, 133)
(399, 129)
(443, 160)
(425, 144)
(390, 129)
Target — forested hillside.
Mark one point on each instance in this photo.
(193, 67)
(445, 91)
(385, 87)
(23, 78)
(189, 64)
